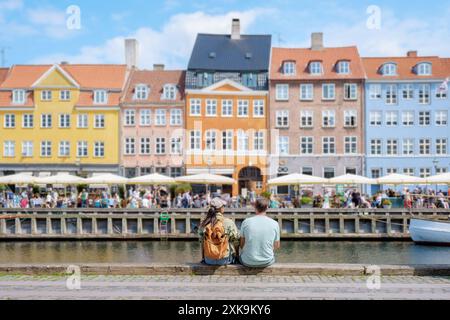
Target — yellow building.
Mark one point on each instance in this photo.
(61, 118)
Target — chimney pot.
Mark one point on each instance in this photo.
(158, 67)
(131, 53)
(412, 54)
(236, 29)
(317, 41)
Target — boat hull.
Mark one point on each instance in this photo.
(430, 231)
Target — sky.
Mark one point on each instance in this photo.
(51, 31)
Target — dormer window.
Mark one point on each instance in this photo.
(343, 67)
(100, 97)
(169, 92)
(141, 92)
(315, 68)
(289, 68)
(389, 69)
(424, 69)
(18, 96)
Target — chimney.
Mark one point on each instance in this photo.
(412, 54)
(158, 67)
(64, 63)
(131, 53)
(317, 41)
(236, 29)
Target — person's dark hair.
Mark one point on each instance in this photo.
(211, 217)
(261, 205)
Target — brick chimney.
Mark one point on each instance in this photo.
(317, 41)
(131, 53)
(412, 54)
(236, 29)
(158, 67)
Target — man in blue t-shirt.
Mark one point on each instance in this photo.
(260, 236)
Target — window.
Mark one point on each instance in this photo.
(82, 149)
(27, 149)
(328, 119)
(211, 140)
(145, 146)
(175, 146)
(307, 92)
(282, 92)
(160, 146)
(375, 147)
(160, 117)
(100, 97)
(424, 94)
(329, 172)
(374, 91)
(441, 94)
(258, 141)
(175, 117)
(99, 121)
(409, 171)
(227, 108)
(391, 118)
(46, 95)
(243, 108)
(328, 91)
(315, 68)
(392, 147)
(211, 108)
(99, 149)
(243, 143)
(18, 96)
(258, 108)
(82, 121)
(64, 95)
(343, 67)
(227, 140)
(389, 69)
(350, 145)
(375, 118)
(441, 118)
(289, 68)
(10, 121)
(441, 170)
(441, 146)
(130, 146)
(283, 145)
(46, 121)
(64, 120)
(424, 146)
(130, 117)
(424, 69)
(175, 172)
(408, 147)
(306, 145)
(27, 121)
(350, 91)
(350, 118)
(9, 149)
(424, 118)
(391, 94)
(408, 118)
(425, 172)
(282, 119)
(196, 140)
(306, 119)
(169, 92)
(141, 92)
(64, 149)
(308, 171)
(376, 173)
(46, 148)
(407, 92)
(145, 116)
(196, 107)
(328, 145)
(391, 171)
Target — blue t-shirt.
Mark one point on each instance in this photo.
(260, 233)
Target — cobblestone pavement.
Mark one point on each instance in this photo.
(223, 287)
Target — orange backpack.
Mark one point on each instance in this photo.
(215, 244)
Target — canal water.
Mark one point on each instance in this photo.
(189, 252)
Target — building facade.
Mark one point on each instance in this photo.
(61, 118)
(407, 125)
(152, 123)
(316, 110)
(227, 108)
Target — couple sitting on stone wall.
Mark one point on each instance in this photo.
(253, 246)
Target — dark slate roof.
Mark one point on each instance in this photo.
(231, 55)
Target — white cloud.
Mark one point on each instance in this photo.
(171, 45)
(52, 21)
(11, 4)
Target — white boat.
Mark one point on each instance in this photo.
(430, 231)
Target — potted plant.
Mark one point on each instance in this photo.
(266, 194)
(307, 202)
(387, 204)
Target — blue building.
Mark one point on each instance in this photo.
(407, 127)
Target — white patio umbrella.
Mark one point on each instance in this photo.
(207, 179)
(296, 179)
(351, 179)
(61, 179)
(153, 179)
(399, 179)
(18, 179)
(108, 179)
(439, 179)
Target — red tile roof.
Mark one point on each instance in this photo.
(3, 74)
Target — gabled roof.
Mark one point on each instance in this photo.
(3, 74)
(59, 69)
(214, 52)
(328, 56)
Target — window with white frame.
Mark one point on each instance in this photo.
(243, 108)
(145, 146)
(258, 108)
(195, 107)
(64, 149)
(376, 147)
(306, 119)
(9, 121)
(424, 146)
(145, 117)
(350, 145)
(9, 149)
(64, 95)
(169, 92)
(307, 92)
(19, 96)
(391, 94)
(328, 145)
(425, 172)
(227, 108)
(408, 91)
(375, 91)
(315, 68)
(227, 140)
(441, 118)
(211, 140)
(306, 145)
(289, 68)
(391, 118)
(307, 171)
(130, 117)
(99, 149)
(64, 120)
(82, 121)
(259, 141)
(46, 121)
(282, 119)
(408, 118)
(424, 69)
(350, 118)
(343, 67)
(328, 91)
(130, 146)
(441, 146)
(389, 69)
(100, 97)
(195, 140)
(211, 108)
(424, 118)
(282, 92)
(376, 173)
(391, 170)
(328, 119)
(409, 171)
(27, 149)
(46, 95)
(176, 117)
(99, 121)
(329, 172)
(160, 117)
(408, 146)
(141, 92)
(350, 91)
(242, 141)
(375, 118)
(175, 146)
(441, 170)
(441, 94)
(283, 145)
(82, 149)
(392, 147)
(46, 148)
(424, 94)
